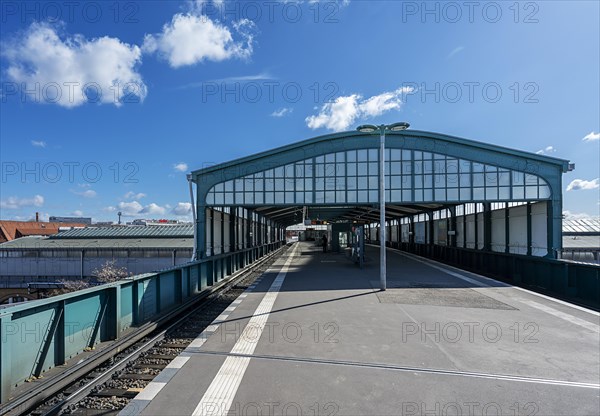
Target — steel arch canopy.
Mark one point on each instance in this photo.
(548, 168)
(336, 176)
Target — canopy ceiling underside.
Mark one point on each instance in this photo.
(290, 215)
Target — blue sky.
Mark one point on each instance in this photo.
(174, 86)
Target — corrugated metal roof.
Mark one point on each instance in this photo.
(159, 231)
(46, 243)
(9, 230)
(588, 225)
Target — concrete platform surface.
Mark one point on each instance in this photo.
(315, 336)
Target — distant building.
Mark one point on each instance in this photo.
(104, 224)
(156, 222)
(78, 252)
(10, 230)
(581, 240)
(80, 220)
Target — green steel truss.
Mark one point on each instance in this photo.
(336, 177)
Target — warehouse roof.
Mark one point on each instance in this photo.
(10, 230)
(587, 226)
(46, 243)
(162, 231)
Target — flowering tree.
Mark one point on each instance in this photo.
(107, 273)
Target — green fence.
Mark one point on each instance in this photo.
(39, 335)
(575, 282)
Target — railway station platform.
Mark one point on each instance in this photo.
(316, 336)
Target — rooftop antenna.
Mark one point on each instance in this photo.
(119, 214)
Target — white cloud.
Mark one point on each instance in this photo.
(130, 209)
(77, 213)
(62, 67)
(581, 184)
(192, 38)
(133, 195)
(153, 209)
(14, 202)
(546, 150)
(88, 193)
(576, 216)
(344, 111)
(591, 137)
(337, 115)
(134, 208)
(182, 208)
(455, 51)
(38, 143)
(240, 78)
(282, 112)
(180, 167)
(244, 78)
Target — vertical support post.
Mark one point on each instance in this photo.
(452, 224)
(195, 250)
(430, 224)
(464, 226)
(487, 226)
(550, 222)
(243, 231)
(222, 230)
(201, 231)
(81, 260)
(250, 236)
(476, 227)
(529, 234)
(259, 230)
(382, 258)
(232, 230)
(506, 228)
(135, 303)
(212, 231)
(232, 242)
(60, 352)
(116, 311)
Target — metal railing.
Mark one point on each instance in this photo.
(575, 282)
(39, 335)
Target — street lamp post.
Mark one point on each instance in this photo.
(382, 129)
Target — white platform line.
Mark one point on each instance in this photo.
(570, 318)
(218, 398)
(150, 391)
(178, 362)
(141, 400)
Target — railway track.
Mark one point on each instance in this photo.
(108, 387)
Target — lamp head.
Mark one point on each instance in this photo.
(403, 125)
(367, 128)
